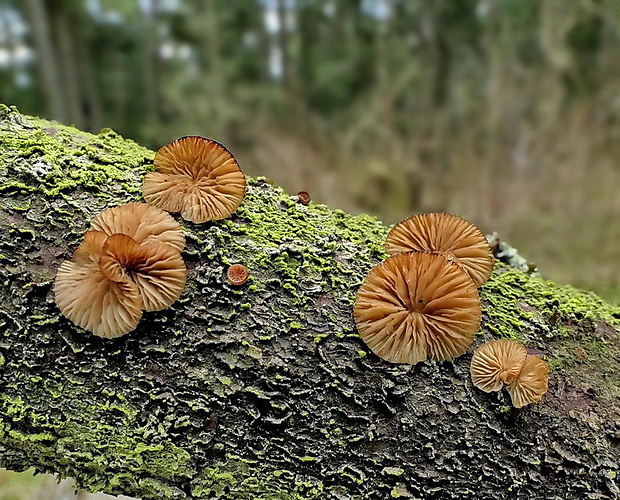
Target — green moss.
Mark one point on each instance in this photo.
(232, 478)
(90, 448)
(514, 302)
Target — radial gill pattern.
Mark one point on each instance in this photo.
(497, 363)
(415, 306)
(454, 237)
(197, 177)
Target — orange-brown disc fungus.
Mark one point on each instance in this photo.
(303, 197)
(142, 222)
(454, 237)
(506, 362)
(531, 384)
(415, 306)
(237, 274)
(197, 177)
(88, 298)
(497, 363)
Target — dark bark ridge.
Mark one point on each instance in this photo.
(265, 390)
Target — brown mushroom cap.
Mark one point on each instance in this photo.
(157, 269)
(531, 384)
(237, 274)
(195, 176)
(496, 363)
(89, 299)
(448, 234)
(416, 305)
(142, 222)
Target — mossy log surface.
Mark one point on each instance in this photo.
(265, 391)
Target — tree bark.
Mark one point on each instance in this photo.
(265, 391)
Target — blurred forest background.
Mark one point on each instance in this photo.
(506, 112)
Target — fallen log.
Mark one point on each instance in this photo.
(265, 390)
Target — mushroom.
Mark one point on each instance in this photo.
(303, 197)
(88, 298)
(497, 363)
(454, 237)
(237, 274)
(197, 177)
(416, 305)
(157, 269)
(111, 279)
(531, 384)
(142, 222)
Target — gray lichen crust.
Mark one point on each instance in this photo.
(265, 391)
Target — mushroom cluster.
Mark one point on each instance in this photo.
(422, 301)
(130, 261)
(506, 362)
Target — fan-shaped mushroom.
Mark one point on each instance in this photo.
(496, 363)
(157, 269)
(197, 177)
(416, 305)
(452, 236)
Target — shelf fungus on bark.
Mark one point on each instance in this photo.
(506, 362)
(142, 222)
(417, 305)
(237, 274)
(121, 269)
(197, 177)
(455, 238)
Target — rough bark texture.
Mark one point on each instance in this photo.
(265, 391)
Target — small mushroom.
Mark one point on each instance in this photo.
(497, 363)
(531, 384)
(416, 305)
(142, 222)
(88, 298)
(197, 177)
(303, 197)
(237, 274)
(452, 236)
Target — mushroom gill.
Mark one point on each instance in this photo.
(531, 384)
(197, 177)
(157, 269)
(497, 363)
(87, 297)
(450, 235)
(415, 306)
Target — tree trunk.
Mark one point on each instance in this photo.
(265, 391)
(47, 60)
